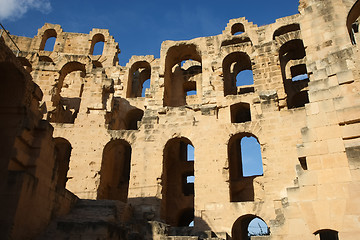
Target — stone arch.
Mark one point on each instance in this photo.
(241, 186)
(293, 27)
(237, 28)
(45, 59)
(115, 171)
(239, 230)
(292, 56)
(62, 159)
(236, 41)
(67, 103)
(139, 72)
(97, 38)
(352, 22)
(286, 37)
(232, 65)
(174, 93)
(176, 200)
(49, 33)
(68, 68)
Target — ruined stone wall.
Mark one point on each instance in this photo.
(32, 186)
(303, 109)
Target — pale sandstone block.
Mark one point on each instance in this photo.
(345, 77)
(351, 130)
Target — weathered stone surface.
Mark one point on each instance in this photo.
(108, 141)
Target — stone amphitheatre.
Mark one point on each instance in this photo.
(86, 155)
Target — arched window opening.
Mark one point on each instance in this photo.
(295, 83)
(237, 29)
(115, 171)
(238, 76)
(178, 182)
(286, 29)
(132, 118)
(62, 158)
(145, 85)
(247, 226)
(352, 22)
(68, 93)
(97, 44)
(186, 218)
(183, 75)
(245, 164)
(191, 71)
(12, 95)
(139, 73)
(45, 59)
(327, 234)
(26, 63)
(48, 40)
(240, 113)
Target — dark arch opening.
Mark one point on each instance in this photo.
(233, 64)
(177, 207)
(48, 45)
(67, 103)
(97, 44)
(295, 89)
(45, 59)
(115, 171)
(237, 28)
(62, 159)
(286, 29)
(176, 76)
(139, 73)
(327, 234)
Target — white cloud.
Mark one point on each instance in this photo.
(15, 9)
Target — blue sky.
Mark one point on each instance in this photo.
(139, 26)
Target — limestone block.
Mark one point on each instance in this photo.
(345, 77)
(350, 131)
